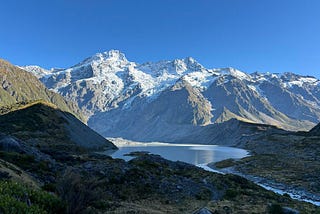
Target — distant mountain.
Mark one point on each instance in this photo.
(19, 86)
(127, 99)
(47, 128)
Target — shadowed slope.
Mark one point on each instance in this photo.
(43, 125)
(315, 130)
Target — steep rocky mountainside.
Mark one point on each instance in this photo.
(231, 133)
(176, 111)
(107, 87)
(19, 86)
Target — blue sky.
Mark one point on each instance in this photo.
(251, 35)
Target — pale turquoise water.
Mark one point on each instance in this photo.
(193, 154)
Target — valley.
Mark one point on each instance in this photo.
(160, 107)
(46, 148)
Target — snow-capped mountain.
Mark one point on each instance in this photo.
(123, 98)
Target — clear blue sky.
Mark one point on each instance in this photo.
(251, 35)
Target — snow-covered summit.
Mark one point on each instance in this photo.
(177, 67)
(233, 72)
(107, 56)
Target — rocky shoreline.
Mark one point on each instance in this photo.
(295, 193)
(286, 163)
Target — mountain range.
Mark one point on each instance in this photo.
(49, 161)
(166, 100)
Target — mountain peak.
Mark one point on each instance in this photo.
(111, 55)
(187, 64)
(235, 73)
(190, 60)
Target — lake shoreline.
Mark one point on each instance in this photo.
(120, 142)
(276, 187)
(301, 195)
(189, 153)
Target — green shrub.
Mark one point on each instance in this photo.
(231, 193)
(79, 192)
(275, 209)
(16, 198)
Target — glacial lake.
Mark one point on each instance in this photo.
(199, 155)
(196, 154)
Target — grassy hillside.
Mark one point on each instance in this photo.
(17, 85)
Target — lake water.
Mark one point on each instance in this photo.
(191, 153)
(199, 155)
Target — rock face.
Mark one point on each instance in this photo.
(127, 99)
(177, 107)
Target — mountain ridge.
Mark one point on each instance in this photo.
(107, 83)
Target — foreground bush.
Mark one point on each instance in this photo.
(17, 198)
